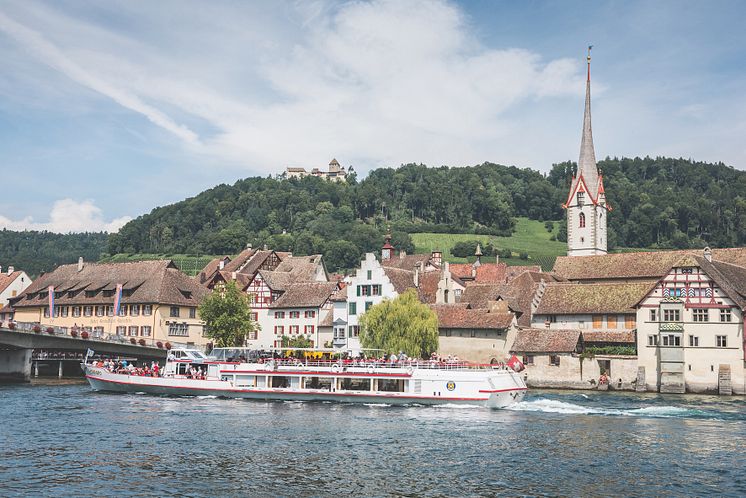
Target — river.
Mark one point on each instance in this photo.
(63, 439)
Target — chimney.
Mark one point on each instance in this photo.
(402, 254)
(80, 263)
(417, 269)
(708, 254)
(221, 265)
(11, 269)
(248, 246)
(233, 275)
(497, 259)
(1, 268)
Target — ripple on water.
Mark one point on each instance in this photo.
(72, 441)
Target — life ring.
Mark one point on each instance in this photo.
(335, 368)
(297, 364)
(410, 370)
(371, 369)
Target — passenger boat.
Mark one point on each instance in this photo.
(353, 381)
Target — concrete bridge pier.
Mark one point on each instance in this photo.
(15, 365)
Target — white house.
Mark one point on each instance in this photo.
(300, 313)
(12, 283)
(690, 329)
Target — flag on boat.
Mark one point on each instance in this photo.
(516, 364)
(89, 353)
(117, 299)
(50, 291)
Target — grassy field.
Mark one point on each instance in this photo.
(530, 236)
(189, 264)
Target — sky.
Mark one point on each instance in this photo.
(109, 109)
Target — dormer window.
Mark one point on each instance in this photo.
(581, 198)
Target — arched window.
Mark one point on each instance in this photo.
(582, 220)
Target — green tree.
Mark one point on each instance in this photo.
(296, 342)
(402, 324)
(227, 315)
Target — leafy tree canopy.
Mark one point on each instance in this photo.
(658, 203)
(227, 315)
(402, 324)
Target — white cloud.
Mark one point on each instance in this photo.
(66, 216)
(49, 54)
(372, 83)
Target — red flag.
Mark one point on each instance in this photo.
(516, 364)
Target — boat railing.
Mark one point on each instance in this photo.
(367, 365)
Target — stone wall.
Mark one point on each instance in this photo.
(15, 365)
(574, 373)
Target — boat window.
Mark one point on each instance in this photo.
(323, 383)
(391, 385)
(356, 384)
(280, 381)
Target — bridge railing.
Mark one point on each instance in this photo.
(77, 333)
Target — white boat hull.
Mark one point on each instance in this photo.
(500, 397)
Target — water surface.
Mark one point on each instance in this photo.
(64, 439)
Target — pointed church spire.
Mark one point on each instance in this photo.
(587, 168)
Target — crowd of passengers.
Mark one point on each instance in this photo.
(363, 360)
(145, 370)
(129, 368)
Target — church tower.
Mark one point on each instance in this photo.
(586, 204)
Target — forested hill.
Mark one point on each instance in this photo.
(657, 202)
(39, 252)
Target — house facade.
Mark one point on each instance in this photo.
(289, 301)
(475, 335)
(369, 285)
(158, 302)
(12, 283)
(690, 334)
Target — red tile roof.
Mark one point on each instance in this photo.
(634, 265)
(210, 268)
(157, 282)
(409, 262)
(614, 336)
(400, 279)
(458, 316)
(564, 298)
(428, 288)
(305, 295)
(7, 279)
(546, 341)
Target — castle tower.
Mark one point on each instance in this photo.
(586, 204)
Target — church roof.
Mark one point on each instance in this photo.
(587, 178)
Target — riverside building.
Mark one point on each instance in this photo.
(158, 303)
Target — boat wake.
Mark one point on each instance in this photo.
(556, 406)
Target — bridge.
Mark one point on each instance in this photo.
(26, 347)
